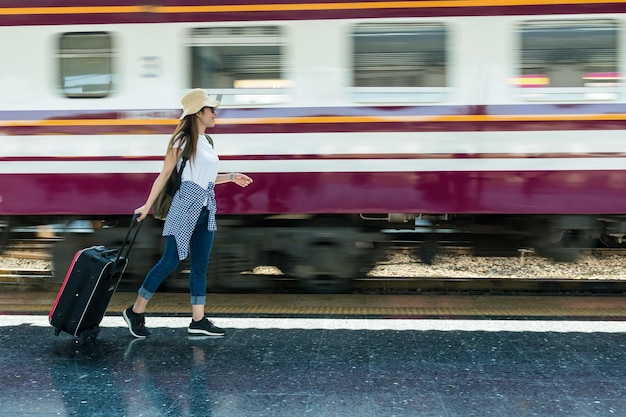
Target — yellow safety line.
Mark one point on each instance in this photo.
(355, 311)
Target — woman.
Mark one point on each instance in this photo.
(190, 224)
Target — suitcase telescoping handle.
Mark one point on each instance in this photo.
(128, 244)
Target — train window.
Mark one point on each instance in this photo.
(244, 64)
(568, 60)
(86, 64)
(400, 62)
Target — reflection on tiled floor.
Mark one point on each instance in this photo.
(317, 367)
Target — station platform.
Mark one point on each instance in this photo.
(323, 355)
(350, 305)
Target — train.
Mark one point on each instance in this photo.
(355, 120)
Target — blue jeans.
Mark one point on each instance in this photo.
(199, 252)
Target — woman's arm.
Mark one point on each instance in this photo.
(169, 164)
(238, 178)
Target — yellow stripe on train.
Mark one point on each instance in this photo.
(290, 7)
(320, 120)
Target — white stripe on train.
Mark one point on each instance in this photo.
(504, 142)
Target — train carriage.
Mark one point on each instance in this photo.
(353, 118)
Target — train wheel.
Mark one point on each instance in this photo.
(567, 249)
(325, 270)
(284, 262)
(612, 241)
(232, 264)
(427, 252)
(560, 254)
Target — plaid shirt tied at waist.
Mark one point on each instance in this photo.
(184, 212)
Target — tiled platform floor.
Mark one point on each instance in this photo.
(317, 367)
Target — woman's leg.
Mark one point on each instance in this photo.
(197, 312)
(199, 251)
(166, 265)
(134, 315)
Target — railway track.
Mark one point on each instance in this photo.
(38, 252)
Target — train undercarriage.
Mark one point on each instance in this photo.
(323, 253)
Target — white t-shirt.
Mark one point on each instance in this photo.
(203, 168)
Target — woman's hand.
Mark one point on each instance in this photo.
(142, 211)
(241, 180)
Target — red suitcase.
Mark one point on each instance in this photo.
(89, 284)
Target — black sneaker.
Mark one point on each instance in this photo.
(136, 323)
(205, 327)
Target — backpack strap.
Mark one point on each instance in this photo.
(209, 139)
(185, 157)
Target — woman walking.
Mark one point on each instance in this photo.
(190, 223)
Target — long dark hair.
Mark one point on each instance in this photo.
(187, 131)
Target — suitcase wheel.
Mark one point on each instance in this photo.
(57, 331)
(88, 335)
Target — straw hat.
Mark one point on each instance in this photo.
(195, 100)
